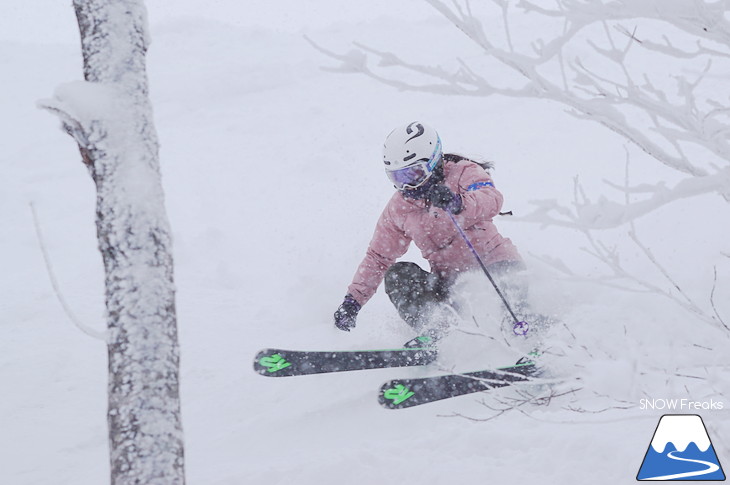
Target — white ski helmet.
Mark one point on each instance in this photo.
(411, 153)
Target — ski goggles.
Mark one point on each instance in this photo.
(413, 176)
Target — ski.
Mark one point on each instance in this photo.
(281, 363)
(406, 393)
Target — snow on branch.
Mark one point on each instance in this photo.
(671, 122)
(602, 213)
(465, 81)
(588, 217)
(84, 108)
(96, 334)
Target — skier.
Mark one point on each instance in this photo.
(429, 182)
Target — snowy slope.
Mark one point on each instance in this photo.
(273, 187)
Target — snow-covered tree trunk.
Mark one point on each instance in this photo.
(110, 116)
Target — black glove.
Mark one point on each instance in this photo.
(346, 314)
(442, 197)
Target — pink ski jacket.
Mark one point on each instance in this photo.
(430, 228)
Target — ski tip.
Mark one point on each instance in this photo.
(527, 369)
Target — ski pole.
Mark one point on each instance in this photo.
(518, 325)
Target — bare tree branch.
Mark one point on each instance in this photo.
(676, 121)
(712, 299)
(99, 335)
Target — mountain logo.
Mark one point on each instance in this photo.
(681, 450)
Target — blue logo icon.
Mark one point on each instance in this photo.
(681, 450)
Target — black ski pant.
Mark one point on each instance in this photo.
(416, 293)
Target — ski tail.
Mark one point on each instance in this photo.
(282, 363)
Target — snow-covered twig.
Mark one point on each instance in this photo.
(609, 257)
(100, 335)
(586, 219)
(650, 256)
(712, 299)
(578, 409)
(607, 281)
(606, 214)
(502, 406)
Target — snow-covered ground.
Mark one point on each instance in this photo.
(273, 186)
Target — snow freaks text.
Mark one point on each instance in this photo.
(680, 404)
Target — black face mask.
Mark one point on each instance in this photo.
(422, 192)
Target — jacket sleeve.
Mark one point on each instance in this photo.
(480, 199)
(388, 244)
